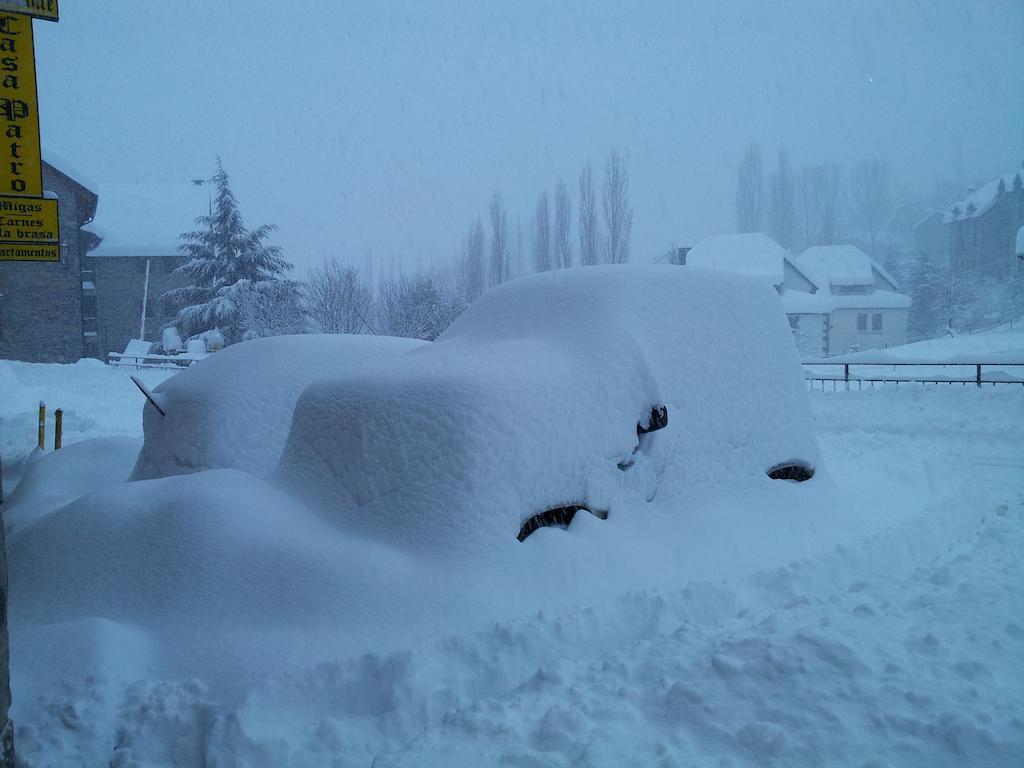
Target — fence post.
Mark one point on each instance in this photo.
(977, 377)
(42, 425)
(58, 428)
(846, 375)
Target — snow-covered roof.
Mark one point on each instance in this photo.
(803, 303)
(873, 300)
(68, 169)
(750, 254)
(822, 303)
(837, 265)
(981, 200)
(146, 218)
(842, 266)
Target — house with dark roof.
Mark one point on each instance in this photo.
(983, 226)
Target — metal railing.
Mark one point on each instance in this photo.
(846, 373)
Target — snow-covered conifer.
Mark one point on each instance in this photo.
(229, 267)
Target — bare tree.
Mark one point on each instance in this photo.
(817, 198)
(618, 215)
(338, 300)
(542, 235)
(517, 250)
(500, 271)
(270, 308)
(563, 224)
(806, 207)
(589, 236)
(749, 191)
(781, 201)
(473, 262)
(416, 308)
(869, 198)
(829, 193)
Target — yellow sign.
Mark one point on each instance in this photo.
(21, 167)
(22, 252)
(40, 9)
(28, 220)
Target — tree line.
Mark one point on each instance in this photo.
(814, 205)
(603, 231)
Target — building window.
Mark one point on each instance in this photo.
(862, 322)
(876, 323)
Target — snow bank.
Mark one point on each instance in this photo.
(532, 398)
(233, 409)
(54, 479)
(213, 618)
(97, 400)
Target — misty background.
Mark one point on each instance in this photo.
(376, 133)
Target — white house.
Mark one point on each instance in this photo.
(836, 297)
(868, 311)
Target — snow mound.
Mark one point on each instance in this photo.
(532, 398)
(54, 479)
(233, 409)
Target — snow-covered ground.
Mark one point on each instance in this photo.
(906, 648)
(1000, 350)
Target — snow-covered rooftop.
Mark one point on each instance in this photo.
(146, 218)
(804, 303)
(70, 170)
(838, 265)
(874, 300)
(981, 200)
(751, 254)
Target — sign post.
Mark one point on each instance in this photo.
(29, 228)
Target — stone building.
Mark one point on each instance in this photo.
(46, 313)
(139, 223)
(90, 302)
(983, 226)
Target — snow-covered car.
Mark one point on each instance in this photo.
(401, 507)
(234, 407)
(583, 389)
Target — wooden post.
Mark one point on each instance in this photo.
(42, 425)
(58, 428)
(977, 374)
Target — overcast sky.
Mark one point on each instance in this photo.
(384, 128)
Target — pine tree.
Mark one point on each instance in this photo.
(229, 268)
